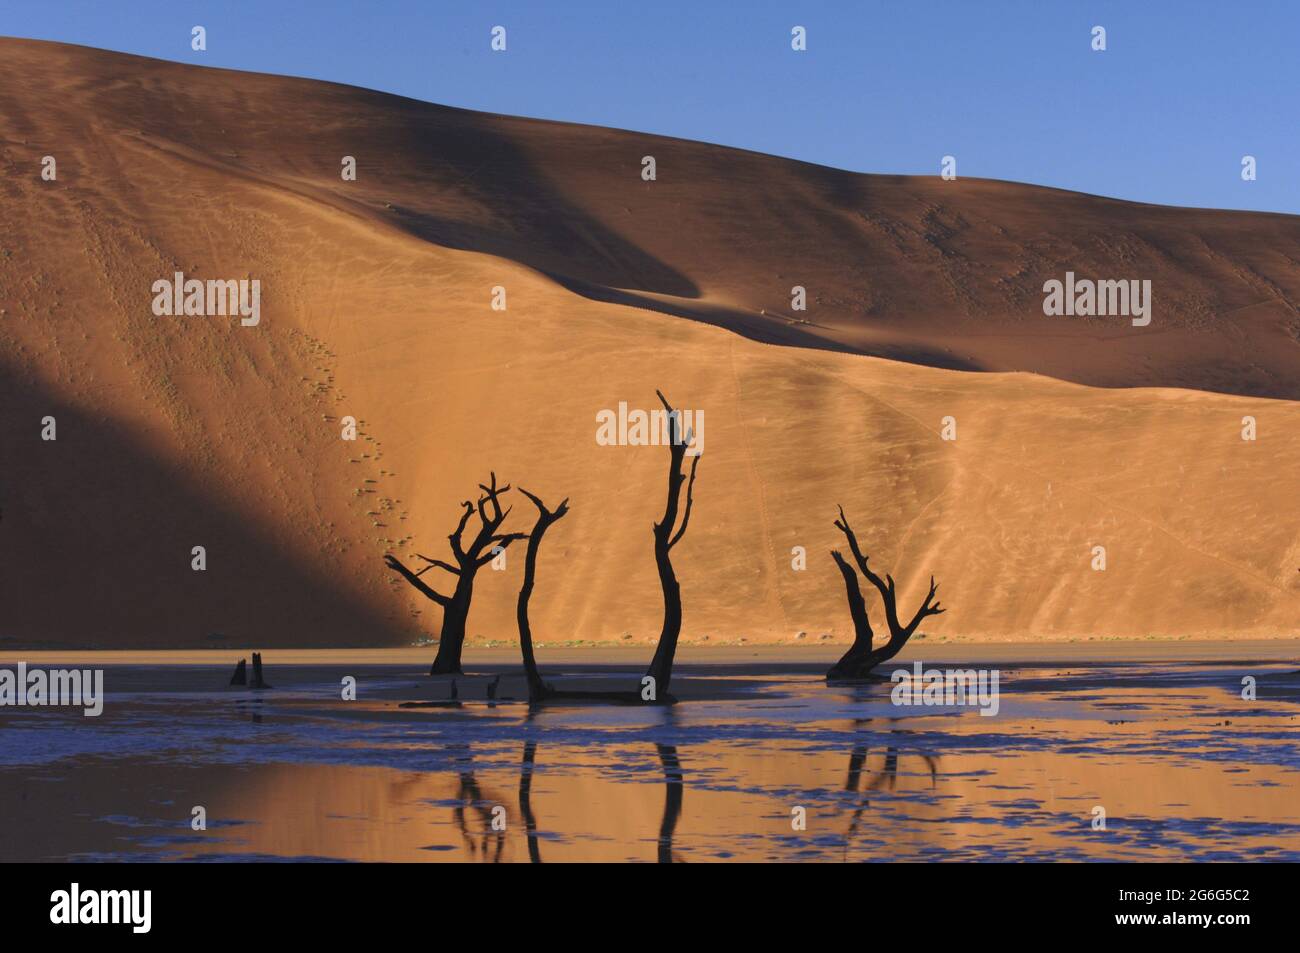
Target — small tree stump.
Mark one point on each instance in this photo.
(258, 681)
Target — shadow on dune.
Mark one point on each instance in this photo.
(752, 326)
(526, 219)
(96, 535)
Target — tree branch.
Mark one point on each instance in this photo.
(504, 542)
(491, 494)
(857, 604)
(460, 529)
(886, 590)
(686, 516)
(436, 562)
(926, 608)
(393, 563)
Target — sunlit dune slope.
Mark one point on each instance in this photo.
(175, 432)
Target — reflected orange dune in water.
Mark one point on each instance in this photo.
(584, 814)
(1182, 765)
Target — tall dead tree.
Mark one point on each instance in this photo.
(661, 666)
(545, 517)
(482, 549)
(862, 656)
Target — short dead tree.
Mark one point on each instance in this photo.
(863, 656)
(469, 559)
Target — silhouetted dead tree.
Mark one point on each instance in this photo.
(469, 560)
(545, 517)
(862, 657)
(661, 666)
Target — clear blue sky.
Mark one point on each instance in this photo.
(1009, 87)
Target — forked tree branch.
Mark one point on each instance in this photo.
(438, 563)
(455, 537)
(503, 542)
(686, 516)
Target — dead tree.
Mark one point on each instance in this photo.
(482, 549)
(862, 657)
(536, 688)
(661, 666)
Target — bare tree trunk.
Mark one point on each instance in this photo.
(257, 681)
(852, 660)
(455, 617)
(661, 666)
(536, 688)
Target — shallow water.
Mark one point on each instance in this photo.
(1183, 767)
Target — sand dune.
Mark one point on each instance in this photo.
(183, 431)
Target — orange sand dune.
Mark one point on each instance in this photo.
(182, 431)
